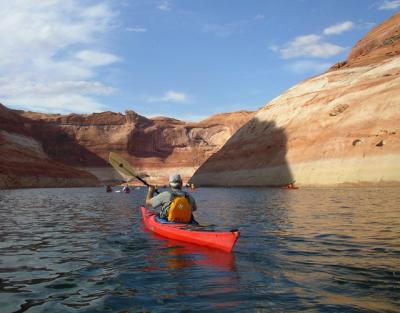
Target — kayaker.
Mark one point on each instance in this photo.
(291, 185)
(176, 204)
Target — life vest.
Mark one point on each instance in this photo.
(180, 209)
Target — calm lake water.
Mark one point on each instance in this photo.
(311, 250)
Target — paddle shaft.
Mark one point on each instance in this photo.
(122, 165)
(145, 182)
(138, 177)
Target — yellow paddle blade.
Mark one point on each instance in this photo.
(121, 165)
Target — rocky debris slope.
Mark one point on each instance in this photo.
(24, 163)
(340, 128)
(158, 146)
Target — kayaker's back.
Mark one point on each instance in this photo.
(181, 202)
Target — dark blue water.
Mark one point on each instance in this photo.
(85, 250)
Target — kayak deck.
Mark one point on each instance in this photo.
(214, 239)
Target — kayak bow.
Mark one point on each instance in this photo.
(178, 231)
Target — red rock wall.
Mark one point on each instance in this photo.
(23, 161)
(157, 146)
(380, 43)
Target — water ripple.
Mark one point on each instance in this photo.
(321, 250)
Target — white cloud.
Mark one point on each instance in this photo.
(50, 53)
(60, 103)
(308, 66)
(169, 96)
(136, 29)
(181, 116)
(390, 5)
(21, 87)
(164, 6)
(174, 96)
(95, 58)
(309, 46)
(338, 28)
(259, 17)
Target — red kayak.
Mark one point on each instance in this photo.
(190, 233)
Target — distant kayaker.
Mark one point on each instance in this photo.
(176, 204)
(126, 189)
(109, 188)
(291, 185)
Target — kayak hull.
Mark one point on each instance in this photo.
(213, 239)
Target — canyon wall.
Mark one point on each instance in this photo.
(340, 128)
(24, 163)
(158, 146)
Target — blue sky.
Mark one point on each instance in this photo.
(181, 58)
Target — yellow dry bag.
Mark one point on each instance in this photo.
(180, 210)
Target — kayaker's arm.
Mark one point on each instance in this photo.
(149, 196)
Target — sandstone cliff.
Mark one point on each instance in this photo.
(156, 146)
(341, 127)
(24, 163)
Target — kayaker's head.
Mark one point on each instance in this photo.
(175, 181)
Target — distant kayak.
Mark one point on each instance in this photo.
(122, 191)
(222, 240)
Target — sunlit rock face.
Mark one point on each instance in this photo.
(157, 146)
(379, 44)
(340, 128)
(24, 162)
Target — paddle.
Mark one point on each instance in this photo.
(123, 167)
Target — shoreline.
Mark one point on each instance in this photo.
(299, 187)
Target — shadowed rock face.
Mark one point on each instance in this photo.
(157, 146)
(241, 161)
(341, 127)
(23, 161)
